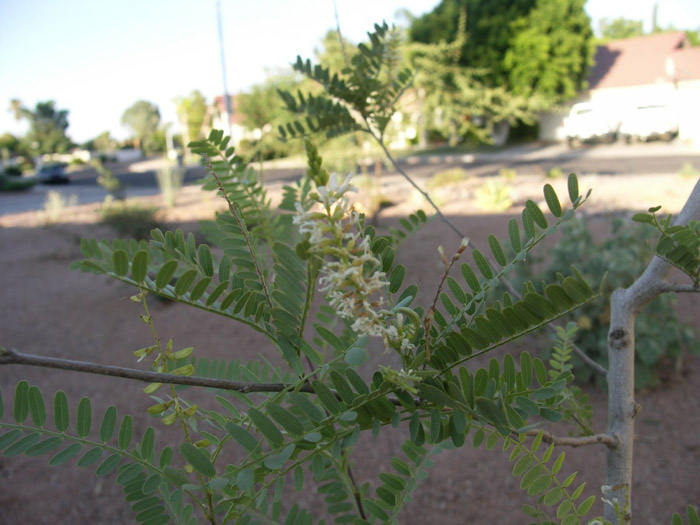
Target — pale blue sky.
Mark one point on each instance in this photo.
(96, 57)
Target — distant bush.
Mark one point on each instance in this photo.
(660, 335)
(494, 196)
(446, 177)
(131, 220)
(13, 171)
(15, 183)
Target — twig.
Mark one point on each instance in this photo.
(430, 315)
(13, 357)
(608, 440)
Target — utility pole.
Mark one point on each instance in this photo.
(227, 99)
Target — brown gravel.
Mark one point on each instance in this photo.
(47, 309)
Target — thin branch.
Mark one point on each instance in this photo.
(430, 315)
(608, 440)
(13, 357)
(678, 288)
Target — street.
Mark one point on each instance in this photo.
(604, 159)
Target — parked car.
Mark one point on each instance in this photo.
(651, 121)
(53, 173)
(588, 123)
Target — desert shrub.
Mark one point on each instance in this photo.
(494, 196)
(508, 174)
(56, 204)
(688, 171)
(660, 335)
(131, 220)
(170, 179)
(447, 178)
(554, 173)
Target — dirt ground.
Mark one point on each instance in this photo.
(47, 309)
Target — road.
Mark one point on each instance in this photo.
(604, 159)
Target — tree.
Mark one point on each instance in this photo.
(551, 51)
(47, 129)
(101, 143)
(489, 32)
(192, 112)
(143, 118)
(619, 28)
(525, 47)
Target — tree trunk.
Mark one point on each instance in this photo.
(625, 304)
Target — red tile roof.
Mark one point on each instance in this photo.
(638, 61)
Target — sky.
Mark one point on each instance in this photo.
(97, 57)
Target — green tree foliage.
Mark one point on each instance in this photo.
(456, 100)
(489, 31)
(101, 143)
(551, 51)
(618, 28)
(9, 144)
(334, 54)
(143, 118)
(524, 47)
(192, 112)
(47, 128)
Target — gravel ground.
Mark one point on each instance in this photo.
(47, 309)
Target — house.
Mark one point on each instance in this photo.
(654, 69)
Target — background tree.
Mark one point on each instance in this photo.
(47, 128)
(524, 46)
(142, 117)
(618, 28)
(551, 51)
(192, 112)
(102, 142)
(489, 31)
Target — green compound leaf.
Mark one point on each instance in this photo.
(286, 419)
(21, 407)
(266, 427)
(36, 406)
(536, 214)
(60, 411)
(198, 459)
(550, 196)
(84, 417)
(120, 260)
(165, 274)
(139, 266)
(109, 422)
(125, 430)
(573, 187)
(66, 454)
(497, 250)
(242, 437)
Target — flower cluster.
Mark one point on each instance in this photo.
(351, 275)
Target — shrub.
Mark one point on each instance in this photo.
(13, 171)
(493, 196)
(131, 220)
(446, 178)
(14, 183)
(624, 255)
